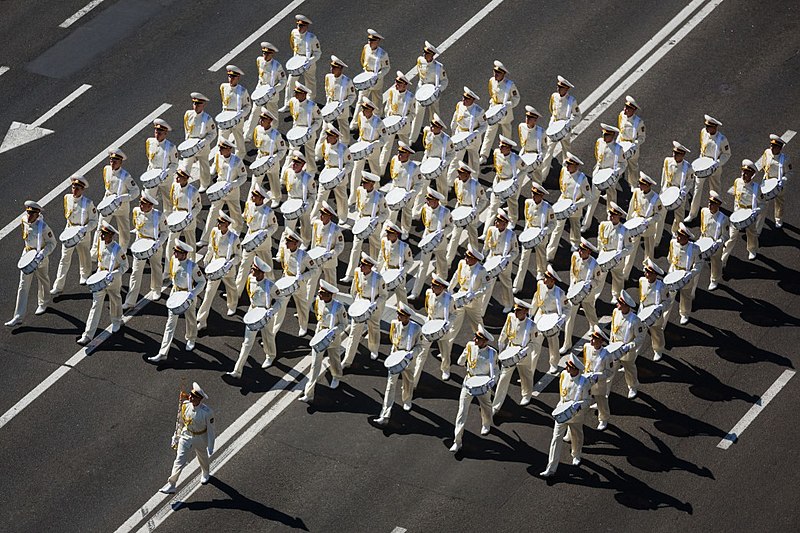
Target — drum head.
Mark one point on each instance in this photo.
(674, 277)
(297, 132)
(292, 205)
(740, 215)
(215, 265)
(105, 202)
(460, 136)
(430, 238)
(362, 77)
(704, 243)
(97, 276)
(255, 315)
(359, 307)
(563, 408)
(225, 116)
(562, 205)
(176, 217)
(359, 146)
(188, 143)
(509, 353)
(493, 262)
(547, 321)
(142, 245)
(503, 185)
(390, 274)
(317, 252)
(176, 299)
(328, 174)
(670, 195)
(633, 223)
(477, 381)
(430, 165)
(646, 311)
(395, 358)
(319, 336)
(26, 258)
(285, 282)
(396, 195)
(462, 212)
(605, 257)
(432, 326)
(361, 224)
(575, 290)
(216, 187)
(529, 234)
(769, 185)
(426, 91)
(392, 120)
(555, 126)
(69, 232)
(329, 108)
(702, 163)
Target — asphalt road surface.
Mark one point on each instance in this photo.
(91, 449)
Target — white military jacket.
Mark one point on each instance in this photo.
(394, 254)
(150, 225)
(161, 155)
(404, 337)
(478, 361)
(235, 98)
(538, 215)
(80, 212)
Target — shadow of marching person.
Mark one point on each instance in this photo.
(731, 347)
(667, 420)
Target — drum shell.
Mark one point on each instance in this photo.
(144, 248)
(109, 205)
(427, 94)
(218, 191)
(73, 236)
(363, 230)
(190, 147)
(532, 237)
(177, 221)
(464, 215)
(430, 241)
(431, 168)
(496, 113)
(435, 329)
(28, 263)
(228, 119)
(255, 239)
(297, 136)
(330, 177)
(364, 81)
(217, 268)
(297, 65)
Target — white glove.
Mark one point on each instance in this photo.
(40, 255)
(174, 441)
(628, 347)
(110, 277)
(210, 452)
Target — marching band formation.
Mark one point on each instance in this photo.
(269, 193)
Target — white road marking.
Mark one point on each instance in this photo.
(81, 12)
(754, 411)
(399, 529)
(4, 69)
(59, 189)
(788, 135)
(224, 60)
(61, 105)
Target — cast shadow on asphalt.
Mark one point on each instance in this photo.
(666, 420)
(702, 383)
(733, 348)
(237, 501)
(77, 329)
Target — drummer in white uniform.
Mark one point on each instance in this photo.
(305, 114)
(228, 168)
(539, 215)
(185, 198)
(436, 219)
(398, 102)
(261, 222)
(611, 237)
(367, 285)
(395, 255)
(608, 154)
(713, 144)
(162, 155)
(197, 124)
(683, 256)
(576, 188)
(334, 154)
(563, 106)
(437, 145)
(370, 130)
(583, 269)
(677, 172)
(304, 45)
(369, 202)
(260, 291)
(596, 360)
(295, 262)
(439, 305)
(235, 97)
(36, 235)
(631, 130)
(479, 359)
(549, 300)
(507, 166)
(501, 241)
(470, 196)
(645, 204)
(339, 88)
(431, 72)
(81, 214)
(300, 185)
(271, 78)
(118, 182)
(746, 195)
(468, 117)
(627, 329)
(715, 225)
(327, 234)
(470, 279)
(653, 293)
(502, 91)
(269, 143)
(533, 144)
(112, 263)
(776, 165)
(186, 275)
(404, 335)
(519, 334)
(405, 176)
(225, 245)
(375, 61)
(331, 316)
(149, 223)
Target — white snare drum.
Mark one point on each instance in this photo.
(635, 226)
(478, 385)
(153, 178)
(179, 301)
(495, 265)
(29, 262)
(145, 248)
(319, 255)
(605, 178)
(431, 168)
(109, 204)
(435, 329)
(262, 94)
(650, 314)
(322, 339)
(707, 246)
(330, 177)
(254, 240)
(550, 324)
(72, 235)
(464, 215)
(293, 208)
(741, 219)
(364, 81)
(615, 350)
(430, 241)
(218, 190)
(496, 113)
(564, 412)
(331, 111)
(531, 160)
(557, 130)
(98, 281)
(505, 189)
(363, 227)
(629, 149)
(298, 135)
(531, 237)
(512, 355)
(398, 361)
(190, 147)
(287, 285)
(427, 94)
(564, 208)
(228, 119)
(704, 166)
(771, 188)
(608, 260)
(297, 65)
(462, 298)
(672, 198)
(257, 318)
(361, 310)
(178, 220)
(361, 149)
(675, 281)
(462, 139)
(392, 277)
(394, 123)
(578, 292)
(262, 164)
(217, 268)
(397, 198)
